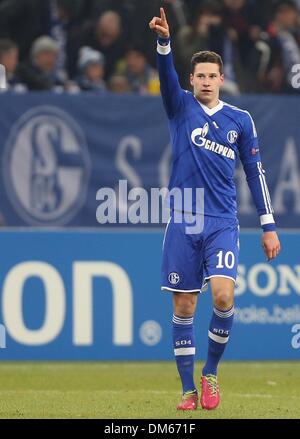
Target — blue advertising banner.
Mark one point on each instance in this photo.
(57, 151)
(96, 296)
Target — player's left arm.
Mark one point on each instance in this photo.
(255, 174)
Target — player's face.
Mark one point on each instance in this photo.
(207, 81)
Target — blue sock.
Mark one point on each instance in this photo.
(184, 350)
(218, 335)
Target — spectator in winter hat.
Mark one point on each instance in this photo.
(40, 73)
(91, 65)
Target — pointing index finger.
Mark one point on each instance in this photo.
(162, 14)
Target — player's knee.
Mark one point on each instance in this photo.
(184, 304)
(223, 300)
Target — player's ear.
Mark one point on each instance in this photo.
(192, 79)
(222, 78)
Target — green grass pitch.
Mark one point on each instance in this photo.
(117, 390)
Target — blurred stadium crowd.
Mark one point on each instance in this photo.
(99, 45)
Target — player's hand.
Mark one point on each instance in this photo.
(160, 25)
(271, 245)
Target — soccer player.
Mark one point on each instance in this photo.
(207, 134)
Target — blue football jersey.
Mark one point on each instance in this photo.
(205, 145)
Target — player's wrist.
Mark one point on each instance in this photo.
(269, 227)
(163, 41)
(267, 222)
(163, 46)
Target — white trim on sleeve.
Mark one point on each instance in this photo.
(266, 219)
(163, 50)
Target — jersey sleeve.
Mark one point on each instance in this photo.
(255, 174)
(171, 92)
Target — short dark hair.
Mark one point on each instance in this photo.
(282, 5)
(7, 45)
(206, 56)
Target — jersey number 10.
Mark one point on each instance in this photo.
(228, 259)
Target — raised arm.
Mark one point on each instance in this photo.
(171, 92)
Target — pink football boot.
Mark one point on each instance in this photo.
(210, 395)
(189, 401)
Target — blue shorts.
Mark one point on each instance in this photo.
(190, 260)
